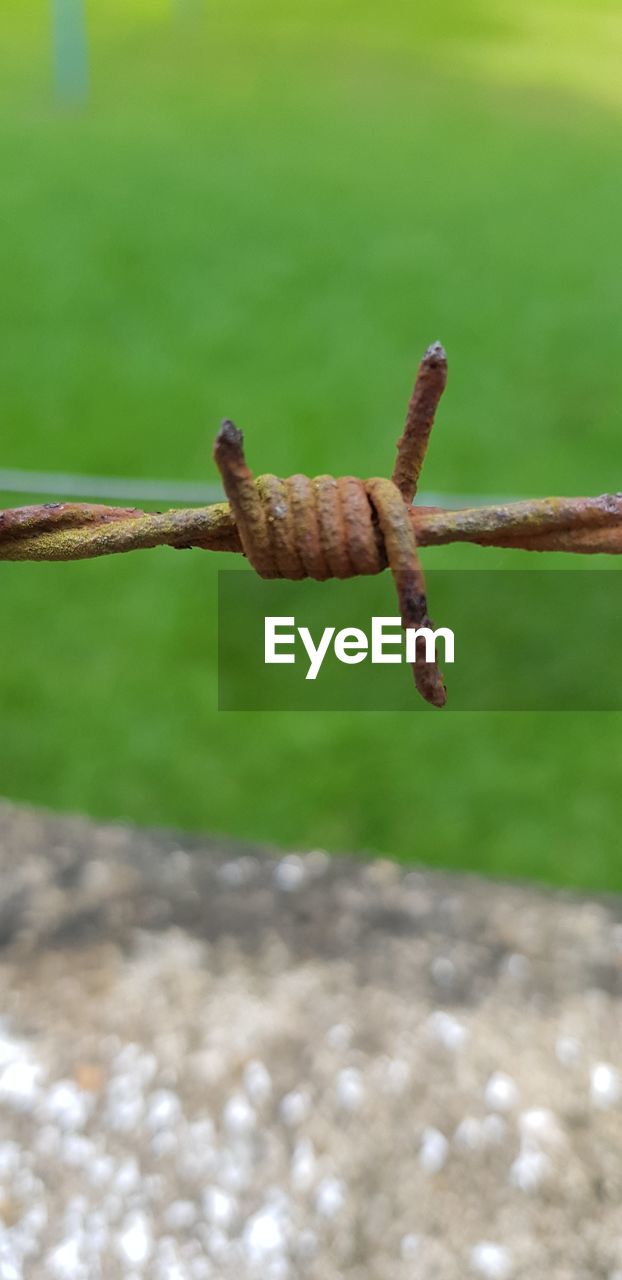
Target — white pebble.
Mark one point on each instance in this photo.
(154, 1187)
(10, 1155)
(277, 1268)
(125, 1115)
(449, 1032)
(218, 1245)
(11, 1050)
(47, 1141)
(295, 1107)
(317, 860)
(67, 1105)
(170, 1271)
(539, 1127)
(135, 1065)
(306, 1244)
(567, 1050)
(127, 1176)
(529, 1170)
(163, 1109)
(409, 1247)
(433, 1151)
(11, 1265)
(167, 1251)
(135, 1241)
(34, 1220)
(20, 1083)
(350, 1089)
(263, 1236)
(112, 1206)
(289, 873)
(491, 1260)
(339, 1037)
(77, 1151)
(234, 1168)
(97, 1231)
(164, 1142)
(64, 1261)
(101, 1170)
(330, 1197)
(232, 873)
(469, 1135)
(398, 1075)
(605, 1087)
(219, 1207)
(494, 1129)
(258, 1083)
(303, 1166)
(518, 967)
(180, 1215)
(200, 1133)
(443, 971)
(125, 1103)
(238, 1115)
(26, 1185)
(201, 1269)
(501, 1093)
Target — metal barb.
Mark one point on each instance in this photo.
(325, 527)
(413, 443)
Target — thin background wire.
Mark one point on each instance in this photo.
(58, 484)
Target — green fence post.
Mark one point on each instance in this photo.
(71, 72)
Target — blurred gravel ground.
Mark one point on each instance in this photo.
(219, 1063)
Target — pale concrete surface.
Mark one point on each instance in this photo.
(217, 1063)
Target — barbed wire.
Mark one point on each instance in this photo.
(325, 527)
(72, 485)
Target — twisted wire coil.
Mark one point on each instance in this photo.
(339, 528)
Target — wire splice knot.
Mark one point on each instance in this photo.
(343, 527)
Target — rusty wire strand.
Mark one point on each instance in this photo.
(325, 527)
(430, 383)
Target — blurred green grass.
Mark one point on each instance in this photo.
(268, 211)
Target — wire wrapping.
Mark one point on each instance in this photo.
(341, 528)
(325, 527)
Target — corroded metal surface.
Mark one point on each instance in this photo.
(412, 445)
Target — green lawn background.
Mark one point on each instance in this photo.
(267, 210)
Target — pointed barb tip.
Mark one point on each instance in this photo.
(229, 433)
(228, 446)
(436, 355)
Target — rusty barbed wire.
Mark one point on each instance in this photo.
(326, 527)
